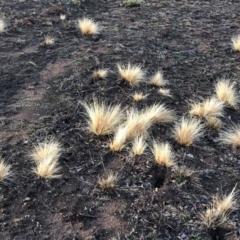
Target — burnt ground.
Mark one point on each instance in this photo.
(40, 88)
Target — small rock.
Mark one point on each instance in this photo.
(183, 236)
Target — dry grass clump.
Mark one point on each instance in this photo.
(158, 113)
(88, 26)
(165, 92)
(186, 175)
(2, 26)
(197, 109)
(211, 107)
(231, 136)
(49, 41)
(133, 74)
(163, 154)
(5, 170)
(139, 145)
(213, 122)
(108, 183)
(137, 123)
(100, 74)
(227, 93)
(139, 96)
(119, 139)
(47, 169)
(158, 79)
(236, 42)
(103, 119)
(48, 149)
(216, 215)
(46, 156)
(187, 131)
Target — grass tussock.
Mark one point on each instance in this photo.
(227, 93)
(165, 92)
(213, 122)
(88, 26)
(137, 123)
(211, 107)
(186, 175)
(163, 154)
(47, 169)
(187, 131)
(108, 183)
(139, 96)
(46, 155)
(133, 74)
(49, 41)
(236, 42)
(197, 109)
(103, 119)
(216, 215)
(2, 26)
(139, 146)
(158, 113)
(231, 136)
(158, 80)
(46, 150)
(119, 139)
(5, 170)
(100, 74)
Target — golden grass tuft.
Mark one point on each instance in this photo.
(46, 150)
(165, 92)
(211, 107)
(139, 96)
(226, 92)
(5, 170)
(119, 139)
(2, 26)
(103, 119)
(108, 183)
(62, 17)
(133, 74)
(137, 123)
(49, 41)
(139, 145)
(88, 26)
(163, 154)
(100, 74)
(216, 215)
(158, 80)
(47, 169)
(197, 109)
(187, 131)
(46, 155)
(236, 42)
(158, 113)
(213, 122)
(231, 136)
